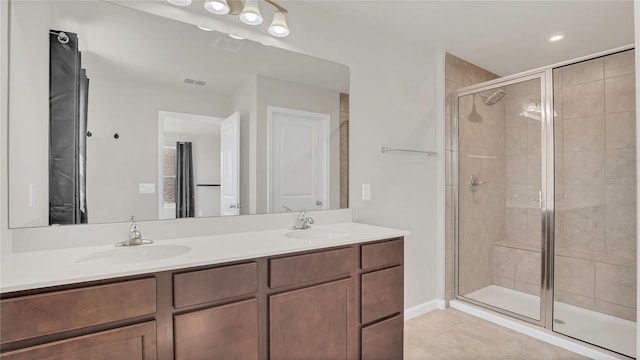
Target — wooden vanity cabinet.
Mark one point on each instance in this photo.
(336, 303)
(382, 302)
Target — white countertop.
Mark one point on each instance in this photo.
(37, 269)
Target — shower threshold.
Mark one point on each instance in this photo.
(600, 329)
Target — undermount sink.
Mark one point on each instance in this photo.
(134, 254)
(316, 234)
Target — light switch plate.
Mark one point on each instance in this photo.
(147, 188)
(366, 192)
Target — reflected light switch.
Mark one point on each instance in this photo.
(147, 188)
(366, 191)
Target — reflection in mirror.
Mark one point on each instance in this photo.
(117, 113)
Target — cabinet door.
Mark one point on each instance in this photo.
(223, 332)
(317, 322)
(135, 342)
(383, 340)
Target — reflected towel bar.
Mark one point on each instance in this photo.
(385, 149)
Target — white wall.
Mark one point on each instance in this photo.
(392, 102)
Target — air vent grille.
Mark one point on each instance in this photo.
(227, 44)
(195, 82)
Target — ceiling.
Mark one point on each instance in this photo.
(504, 37)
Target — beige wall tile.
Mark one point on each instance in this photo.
(587, 302)
(616, 284)
(583, 233)
(503, 262)
(620, 129)
(557, 79)
(475, 75)
(534, 230)
(533, 138)
(622, 63)
(621, 238)
(517, 169)
(621, 166)
(534, 172)
(454, 68)
(584, 167)
(583, 197)
(620, 94)
(625, 312)
(503, 282)
(515, 227)
(583, 134)
(583, 72)
(583, 100)
(621, 203)
(527, 288)
(516, 140)
(575, 276)
(528, 266)
(516, 195)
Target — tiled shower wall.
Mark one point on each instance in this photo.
(517, 256)
(595, 262)
(458, 74)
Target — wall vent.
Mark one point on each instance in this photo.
(195, 82)
(227, 44)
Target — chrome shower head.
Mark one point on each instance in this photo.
(495, 97)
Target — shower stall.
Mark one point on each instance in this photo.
(544, 207)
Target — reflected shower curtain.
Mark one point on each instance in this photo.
(68, 95)
(185, 198)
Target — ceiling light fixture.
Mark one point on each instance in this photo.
(235, 37)
(556, 38)
(180, 2)
(278, 27)
(248, 11)
(204, 28)
(218, 7)
(251, 15)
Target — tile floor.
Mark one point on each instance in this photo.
(452, 335)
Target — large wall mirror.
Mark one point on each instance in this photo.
(115, 112)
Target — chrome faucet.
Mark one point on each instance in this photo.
(135, 235)
(302, 222)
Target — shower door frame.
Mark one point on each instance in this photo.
(547, 154)
(547, 189)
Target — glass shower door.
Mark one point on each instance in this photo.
(595, 219)
(499, 223)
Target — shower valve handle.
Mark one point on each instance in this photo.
(475, 182)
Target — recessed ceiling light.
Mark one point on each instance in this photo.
(204, 28)
(235, 37)
(180, 2)
(556, 37)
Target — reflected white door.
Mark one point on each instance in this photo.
(298, 147)
(230, 165)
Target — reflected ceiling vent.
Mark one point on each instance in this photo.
(227, 44)
(195, 82)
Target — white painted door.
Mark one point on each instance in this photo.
(230, 165)
(298, 147)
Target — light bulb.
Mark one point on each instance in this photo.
(250, 15)
(278, 27)
(219, 7)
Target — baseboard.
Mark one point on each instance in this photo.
(425, 307)
(531, 330)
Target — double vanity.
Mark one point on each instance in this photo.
(329, 292)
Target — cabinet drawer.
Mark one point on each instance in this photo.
(202, 286)
(223, 332)
(299, 269)
(36, 315)
(129, 342)
(382, 293)
(383, 340)
(385, 253)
